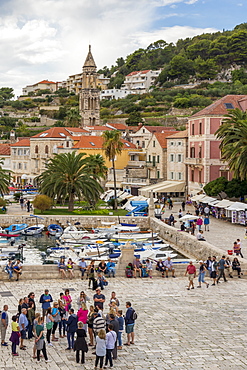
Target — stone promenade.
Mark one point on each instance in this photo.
(176, 329)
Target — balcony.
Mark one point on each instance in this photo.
(193, 161)
(136, 163)
(135, 181)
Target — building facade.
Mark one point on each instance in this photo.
(177, 148)
(204, 156)
(139, 82)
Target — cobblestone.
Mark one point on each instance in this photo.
(175, 329)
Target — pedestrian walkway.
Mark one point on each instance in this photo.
(176, 329)
(221, 233)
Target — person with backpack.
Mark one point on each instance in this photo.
(130, 317)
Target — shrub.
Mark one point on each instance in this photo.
(42, 202)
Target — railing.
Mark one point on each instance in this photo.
(193, 161)
(136, 163)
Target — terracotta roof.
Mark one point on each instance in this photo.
(219, 108)
(45, 82)
(98, 128)
(96, 142)
(133, 128)
(161, 137)
(118, 126)
(136, 72)
(179, 135)
(4, 149)
(159, 128)
(23, 142)
(59, 132)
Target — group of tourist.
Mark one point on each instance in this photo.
(71, 319)
(216, 270)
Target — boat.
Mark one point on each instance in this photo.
(130, 236)
(33, 230)
(55, 230)
(15, 229)
(117, 228)
(71, 232)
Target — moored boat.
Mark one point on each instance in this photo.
(33, 230)
(15, 229)
(55, 230)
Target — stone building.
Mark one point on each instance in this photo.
(89, 98)
(177, 145)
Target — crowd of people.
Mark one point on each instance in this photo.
(214, 269)
(101, 322)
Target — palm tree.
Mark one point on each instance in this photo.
(233, 136)
(112, 145)
(67, 176)
(4, 180)
(73, 118)
(96, 166)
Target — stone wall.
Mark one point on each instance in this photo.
(188, 244)
(85, 221)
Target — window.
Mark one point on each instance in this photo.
(158, 174)
(172, 157)
(137, 142)
(192, 175)
(179, 143)
(200, 152)
(90, 142)
(153, 144)
(200, 128)
(36, 149)
(228, 105)
(192, 152)
(46, 149)
(149, 158)
(192, 129)
(200, 176)
(158, 159)
(179, 176)
(179, 157)
(24, 151)
(132, 157)
(171, 143)
(172, 175)
(19, 166)
(154, 160)
(143, 144)
(143, 130)
(25, 166)
(36, 163)
(19, 151)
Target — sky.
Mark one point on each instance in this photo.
(48, 39)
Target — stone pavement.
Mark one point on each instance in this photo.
(176, 329)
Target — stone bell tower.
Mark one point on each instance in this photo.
(89, 99)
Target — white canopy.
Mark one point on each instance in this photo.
(224, 203)
(198, 197)
(237, 206)
(163, 187)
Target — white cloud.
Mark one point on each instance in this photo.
(190, 2)
(49, 38)
(170, 34)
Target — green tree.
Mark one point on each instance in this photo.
(205, 69)
(42, 202)
(134, 118)
(215, 187)
(67, 176)
(73, 118)
(4, 180)
(112, 146)
(96, 166)
(233, 136)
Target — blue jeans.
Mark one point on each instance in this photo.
(108, 357)
(119, 337)
(201, 277)
(62, 326)
(111, 271)
(70, 339)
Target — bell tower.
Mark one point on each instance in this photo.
(89, 98)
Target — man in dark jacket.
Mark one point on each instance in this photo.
(115, 324)
(129, 324)
(71, 328)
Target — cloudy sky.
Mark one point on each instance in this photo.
(48, 39)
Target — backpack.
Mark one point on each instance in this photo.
(128, 273)
(134, 315)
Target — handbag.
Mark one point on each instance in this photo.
(57, 318)
(19, 334)
(49, 325)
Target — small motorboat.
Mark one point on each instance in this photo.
(15, 229)
(33, 230)
(71, 232)
(55, 230)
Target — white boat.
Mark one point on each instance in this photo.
(71, 232)
(130, 236)
(155, 255)
(34, 230)
(117, 228)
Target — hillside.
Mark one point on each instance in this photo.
(203, 57)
